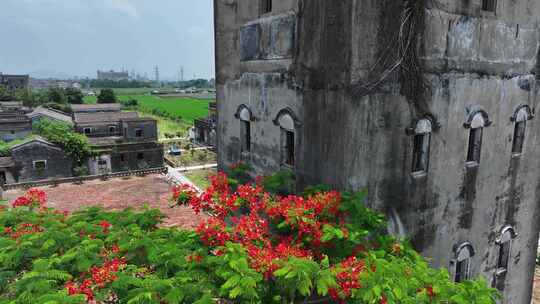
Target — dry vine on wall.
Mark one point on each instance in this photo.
(400, 58)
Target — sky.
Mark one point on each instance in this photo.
(61, 38)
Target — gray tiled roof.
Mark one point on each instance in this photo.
(6, 162)
(41, 111)
(100, 107)
(85, 118)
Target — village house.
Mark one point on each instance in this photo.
(429, 105)
(34, 160)
(123, 140)
(204, 129)
(14, 124)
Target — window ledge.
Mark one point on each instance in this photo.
(501, 272)
(286, 166)
(419, 174)
(516, 155)
(472, 165)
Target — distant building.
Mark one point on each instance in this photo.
(14, 124)
(123, 140)
(14, 82)
(112, 75)
(205, 128)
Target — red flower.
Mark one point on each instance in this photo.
(105, 225)
(32, 198)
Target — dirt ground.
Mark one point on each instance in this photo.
(118, 194)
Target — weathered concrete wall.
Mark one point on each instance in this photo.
(470, 60)
(58, 164)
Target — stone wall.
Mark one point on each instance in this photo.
(355, 139)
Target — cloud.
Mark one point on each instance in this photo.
(124, 6)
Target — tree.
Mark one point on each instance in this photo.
(55, 95)
(74, 144)
(106, 96)
(27, 97)
(74, 96)
(5, 93)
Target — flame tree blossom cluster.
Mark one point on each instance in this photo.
(321, 246)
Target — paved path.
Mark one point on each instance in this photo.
(175, 176)
(195, 168)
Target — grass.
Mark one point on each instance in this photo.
(167, 126)
(200, 177)
(193, 158)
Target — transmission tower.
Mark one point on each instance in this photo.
(156, 70)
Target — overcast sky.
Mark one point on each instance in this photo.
(77, 37)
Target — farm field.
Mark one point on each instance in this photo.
(186, 108)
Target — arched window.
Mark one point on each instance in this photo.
(464, 253)
(505, 247)
(266, 6)
(477, 121)
(244, 115)
(520, 117)
(422, 140)
(489, 5)
(287, 122)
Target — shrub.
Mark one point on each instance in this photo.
(313, 249)
(279, 250)
(75, 145)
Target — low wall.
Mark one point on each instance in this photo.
(51, 182)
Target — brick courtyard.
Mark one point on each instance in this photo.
(117, 194)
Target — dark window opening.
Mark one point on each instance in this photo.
(475, 145)
(112, 130)
(102, 162)
(122, 157)
(87, 131)
(421, 152)
(519, 137)
(138, 133)
(245, 135)
(504, 255)
(489, 5)
(462, 271)
(3, 178)
(40, 165)
(140, 156)
(266, 6)
(288, 147)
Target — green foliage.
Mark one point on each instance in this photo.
(66, 108)
(74, 144)
(170, 265)
(5, 147)
(106, 96)
(73, 96)
(281, 183)
(6, 94)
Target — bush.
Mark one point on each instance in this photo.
(106, 96)
(75, 145)
(81, 171)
